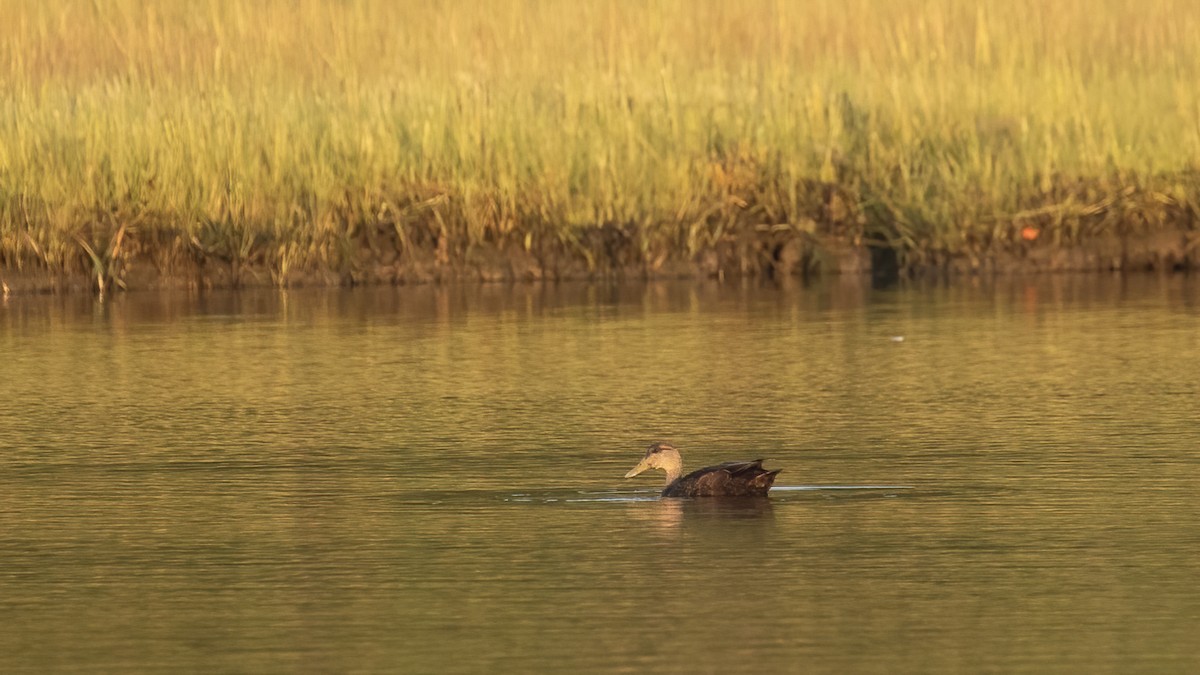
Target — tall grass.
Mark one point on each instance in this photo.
(301, 133)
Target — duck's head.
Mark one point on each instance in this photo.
(660, 456)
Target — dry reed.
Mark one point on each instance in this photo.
(298, 134)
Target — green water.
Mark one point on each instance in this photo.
(428, 480)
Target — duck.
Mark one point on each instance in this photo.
(730, 479)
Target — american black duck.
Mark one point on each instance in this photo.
(731, 479)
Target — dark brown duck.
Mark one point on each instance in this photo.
(731, 479)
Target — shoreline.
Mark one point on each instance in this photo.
(749, 254)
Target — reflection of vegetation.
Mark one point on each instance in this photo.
(336, 136)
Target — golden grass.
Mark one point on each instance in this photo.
(281, 129)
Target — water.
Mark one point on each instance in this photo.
(428, 480)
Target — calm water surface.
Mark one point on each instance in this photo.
(428, 480)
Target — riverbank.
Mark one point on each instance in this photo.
(215, 144)
(606, 252)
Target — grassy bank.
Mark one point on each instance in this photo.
(371, 139)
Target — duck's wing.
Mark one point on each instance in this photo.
(739, 469)
(730, 479)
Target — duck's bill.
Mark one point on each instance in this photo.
(637, 469)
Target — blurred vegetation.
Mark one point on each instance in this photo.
(308, 135)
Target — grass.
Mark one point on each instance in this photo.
(289, 135)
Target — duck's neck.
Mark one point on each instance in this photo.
(674, 471)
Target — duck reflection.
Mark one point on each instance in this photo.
(669, 514)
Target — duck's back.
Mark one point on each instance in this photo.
(731, 479)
